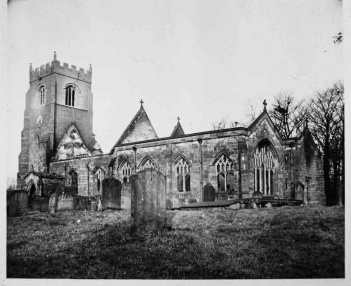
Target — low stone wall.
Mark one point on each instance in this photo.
(17, 203)
(68, 201)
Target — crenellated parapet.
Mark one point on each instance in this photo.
(64, 69)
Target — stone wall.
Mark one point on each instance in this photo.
(239, 144)
(84, 175)
(17, 203)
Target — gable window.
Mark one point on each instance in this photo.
(42, 95)
(126, 171)
(70, 93)
(183, 175)
(225, 173)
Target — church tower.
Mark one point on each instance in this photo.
(58, 98)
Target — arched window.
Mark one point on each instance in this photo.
(99, 175)
(147, 163)
(70, 92)
(264, 167)
(224, 171)
(72, 180)
(182, 168)
(42, 95)
(126, 171)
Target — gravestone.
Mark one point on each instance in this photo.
(299, 191)
(209, 193)
(234, 206)
(111, 193)
(148, 200)
(18, 203)
(53, 203)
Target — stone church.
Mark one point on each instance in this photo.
(58, 147)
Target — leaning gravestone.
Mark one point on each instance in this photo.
(148, 200)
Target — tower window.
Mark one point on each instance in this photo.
(70, 92)
(42, 95)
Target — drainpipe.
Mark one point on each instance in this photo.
(87, 165)
(201, 170)
(135, 163)
(65, 181)
(239, 166)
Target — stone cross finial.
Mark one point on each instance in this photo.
(178, 118)
(141, 102)
(55, 57)
(264, 105)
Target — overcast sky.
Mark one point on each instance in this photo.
(200, 60)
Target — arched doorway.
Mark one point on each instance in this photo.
(31, 195)
(264, 168)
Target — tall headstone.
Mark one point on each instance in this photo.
(111, 193)
(148, 200)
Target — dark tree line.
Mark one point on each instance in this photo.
(325, 114)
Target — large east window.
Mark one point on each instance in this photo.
(264, 168)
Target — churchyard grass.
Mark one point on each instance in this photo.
(286, 242)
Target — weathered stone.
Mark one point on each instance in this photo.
(234, 206)
(17, 203)
(111, 193)
(148, 200)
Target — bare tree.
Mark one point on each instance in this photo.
(223, 124)
(287, 115)
(251, 113)
(326, 114)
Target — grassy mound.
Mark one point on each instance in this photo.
(287, 242)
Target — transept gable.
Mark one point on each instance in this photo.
(139, 129)
(263, 127)
(72, 145)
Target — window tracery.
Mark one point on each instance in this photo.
(225, 173)
(126, 171)
(70, 93)
(264, 168)
(42, 95)
(148, 164)
(183, 175)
